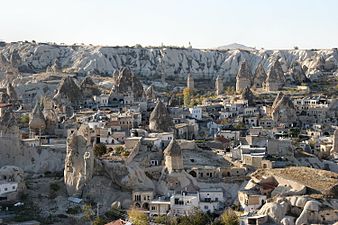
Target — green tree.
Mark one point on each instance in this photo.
(24, 119)
(137, 217)
(229, 217)
(187, 92)
(100, 149)
(87, 212)
(99, 221)
(119, 150)
(197, 218)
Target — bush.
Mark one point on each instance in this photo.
(24, 119)
(137, 217)
(99, 150)
(99, 221)
(54, 187)
(74, 210)
(229, 217)
(119, 150)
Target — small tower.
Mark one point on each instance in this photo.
(190, 82)
(173, 157)
(335, 141)
(219, 85)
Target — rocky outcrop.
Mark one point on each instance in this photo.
(129, 177)
(276, 210)
(37, 120)
(126, 83)
(149, 62)
(89, 88)
(68, 92)
(297, 73)
(259, 77)
(275, 79)
(13, 97)
(150, 93)
(160, 119)
(50, 115)
(243, 78)
(283, 110)
(249, 96)
(79, 162)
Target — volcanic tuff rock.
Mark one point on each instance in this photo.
(79, 162)
(243, 78)
(68, 91)
(298, 73)
(249, 96)
(160, 120)
(150, 92)
(50, 115)
(283, 110)
(177, 62)
(125, 82)
(89, 88)
(275, 79)
(259, 76)
(37, 119)
(11, 93)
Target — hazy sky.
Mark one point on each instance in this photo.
(206, 24)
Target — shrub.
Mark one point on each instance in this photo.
(74, 210)
(100, 149)
(119, 150)
(229, 217)
(99, 221)
(138, 217)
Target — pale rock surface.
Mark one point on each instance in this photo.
(125, 82)
(79, 162)
(283, 110)
(275, 210)
(68, 92)
(259, 77)
(32, 58)
(160, 119)
(89, 88)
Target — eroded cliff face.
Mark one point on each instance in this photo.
(152, 62)
(79, 162)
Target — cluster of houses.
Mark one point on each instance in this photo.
(222, 140)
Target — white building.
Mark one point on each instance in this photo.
(159, 207)
(7, 188)
(101, 100)
(230, 134)
(184, 203)
(196, 112)
(250, 200)
(211, 199)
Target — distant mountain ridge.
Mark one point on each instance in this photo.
(152, 62)
(235, 46)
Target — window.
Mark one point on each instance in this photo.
(206, 207)
(13, 187)
(153, 208)
(216, 199)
